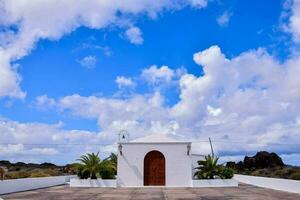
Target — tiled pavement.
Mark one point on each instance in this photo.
(248, 192)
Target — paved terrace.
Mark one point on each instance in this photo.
(248, 192)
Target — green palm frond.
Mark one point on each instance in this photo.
(208, 168)
(91, 163)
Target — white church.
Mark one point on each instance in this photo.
(154, 160)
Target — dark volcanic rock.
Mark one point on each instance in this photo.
(230, 164)
(240, 165)
(20, 164)
(262, 160)
(265, 164)
(4, 163)
(48, 165)
(237, 166)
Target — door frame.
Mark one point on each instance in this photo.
(146, 170)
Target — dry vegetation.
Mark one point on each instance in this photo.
(31, 170)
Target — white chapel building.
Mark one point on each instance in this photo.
(154, 160)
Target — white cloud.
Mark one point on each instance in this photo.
(224, 19)
(19, 149)
(123, 81)
(89, 45)
(88, 62)
(247, 103)
(139, 114)
(257, 95)
(294, 20)
(38, 142)
(134, 35)
(45, 100)
(155, 75)
(250, 104)
(10, 79)
(31, 23)
(198, 3)
(214, 111)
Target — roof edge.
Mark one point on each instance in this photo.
(179, 142)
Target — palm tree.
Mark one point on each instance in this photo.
(113, 158)
(91, 163)
(208, 168)
(113, 162)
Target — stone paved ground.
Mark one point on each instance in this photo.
(248, 192)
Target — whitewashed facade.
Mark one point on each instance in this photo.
(177, 161)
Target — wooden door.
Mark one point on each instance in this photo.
(154, 168)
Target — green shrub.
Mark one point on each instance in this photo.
(82, 173)
(107, 173)
(226, 173)
(259, 172)
(39, 174)
(107, 170)
(295, 176)
(52, 172)
(18, 174)
(113, 160)
(208, 168)
(280, 173)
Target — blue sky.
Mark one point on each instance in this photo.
(52, 66)
(69, 67)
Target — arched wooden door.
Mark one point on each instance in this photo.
(154, 168)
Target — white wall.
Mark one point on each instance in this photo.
(75, 182)
(23, 184)
(272, 183)
(131, 164)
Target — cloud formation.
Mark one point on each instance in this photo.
(239, 102)
(246, 103)
(294, 20)
(161, 76)
(198, 3)
(224, 19)
(124, 82)
(134, 35)
(26, 22)
(39, 142)
(88, 62)
(257, 96)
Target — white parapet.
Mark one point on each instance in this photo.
(272, 183)
(75, 182)
(23, 184)
(215, 183)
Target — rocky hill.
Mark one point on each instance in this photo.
(26, 170)
(265, 164)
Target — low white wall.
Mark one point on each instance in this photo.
(215, 183)
(75, 182)
(272, 183)
(23, 184)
